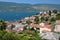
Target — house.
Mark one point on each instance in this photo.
(31, 18)
(24, 21)
(26, 18)
(35, 26)
(41, 12)
(57, 26)
(42, 27)
(45, 27)
(18, 27)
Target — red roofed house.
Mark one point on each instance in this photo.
(35, 26)
(45, 27)
(57, 26)
(24, 21)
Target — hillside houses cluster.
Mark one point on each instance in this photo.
(29, 22)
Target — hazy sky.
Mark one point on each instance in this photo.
(34, 1)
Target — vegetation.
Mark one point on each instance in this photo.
(36, 19)
(12, 26)
(58, 17)
(55, 11)
(49, 12)
(28, 22)
(57, 32)
(16, 7)
(52, 20)
(26, 35)
(2, 25)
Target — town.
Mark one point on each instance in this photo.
(47, 24)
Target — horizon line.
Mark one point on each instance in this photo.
(28, 3)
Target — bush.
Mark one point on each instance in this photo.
(36, 19)
(58, 17)
(24, 36)
(55, 11)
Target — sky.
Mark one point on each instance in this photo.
(34, 1)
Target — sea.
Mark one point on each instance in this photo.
(12, 16)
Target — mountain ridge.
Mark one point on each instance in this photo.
(17, 7)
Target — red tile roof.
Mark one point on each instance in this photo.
(48, 26)
(35, 25)
(24, 20)
(58, 22)
(46, 23)
(46, 31)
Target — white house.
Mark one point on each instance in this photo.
(57, 26)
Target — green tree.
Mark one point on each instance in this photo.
(12, 26)
(8, 36)
(26, 35)
(52, 19)
(58, 17)
(28, 22)
(54, 11)
(37, 14)
(2, 25)
(46, 19)
(36, 19)
(49, 12)
(2, 33)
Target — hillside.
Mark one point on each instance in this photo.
(16, 7)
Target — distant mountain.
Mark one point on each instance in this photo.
(16, 7)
